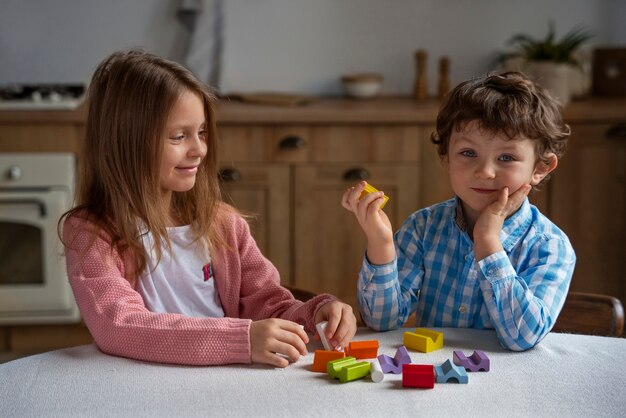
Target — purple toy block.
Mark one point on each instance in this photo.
(394, 365)
(478, 361)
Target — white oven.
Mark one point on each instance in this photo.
(35, 189)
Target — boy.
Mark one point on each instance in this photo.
(486, 258)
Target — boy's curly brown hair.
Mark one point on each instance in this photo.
(508, 103)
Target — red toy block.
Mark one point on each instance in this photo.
(322, 357)
(418, 376)
(362, 349)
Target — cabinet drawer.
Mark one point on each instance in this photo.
(374, 144)
(260, 143)
(40, 137)
(320, 143)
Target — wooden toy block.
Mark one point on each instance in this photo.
(334, 366)
(376, 372)
(478, 361)
(448, 372)
(423, 340)
(347, 369)
(321, 328)
(371, 189)
(394, 365)
(322, 357)
(362, 349)
(354, 371)
(418, 376)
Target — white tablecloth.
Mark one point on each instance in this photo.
(565, 375)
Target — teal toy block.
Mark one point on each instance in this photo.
(448, 372)
(348, 369)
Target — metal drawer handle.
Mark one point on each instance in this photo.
(229, 175)
(356, 174)
(616, 132)
(42, 206)
(292, 142)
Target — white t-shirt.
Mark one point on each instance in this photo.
(183, 280)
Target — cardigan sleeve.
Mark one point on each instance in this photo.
(120, 323)
(260, 294)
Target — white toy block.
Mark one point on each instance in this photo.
(321, 328)
(376, 372)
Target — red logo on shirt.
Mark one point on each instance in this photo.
(208, 272)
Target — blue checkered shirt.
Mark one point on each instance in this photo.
(519, 291)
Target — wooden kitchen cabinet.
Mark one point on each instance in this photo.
(588, 201)
(287, 168)
(261, 193)
(324, 245)
(329, 243)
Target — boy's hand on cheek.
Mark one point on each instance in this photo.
(489, 224)
(341, 325)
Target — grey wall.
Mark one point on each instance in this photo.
(290, 45)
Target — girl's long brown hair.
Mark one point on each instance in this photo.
(129, 98)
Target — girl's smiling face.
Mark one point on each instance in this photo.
(482, 163)
(184, 145)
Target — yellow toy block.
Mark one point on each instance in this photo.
(423, 340)
(370, 189)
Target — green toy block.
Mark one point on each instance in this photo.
(423, 340)
(334, 366)
(347, 369)
(354, 371)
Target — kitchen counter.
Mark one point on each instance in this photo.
(391, 109)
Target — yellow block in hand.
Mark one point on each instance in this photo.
(371, 189)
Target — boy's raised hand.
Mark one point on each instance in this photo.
(489, 224)
(269, 338)
(341, 325)
(373, 221)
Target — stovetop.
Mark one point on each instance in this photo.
(41, 96)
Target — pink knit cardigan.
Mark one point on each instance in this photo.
(247, 283)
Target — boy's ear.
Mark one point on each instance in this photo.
(544, 167)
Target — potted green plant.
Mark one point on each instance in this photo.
(550, 61)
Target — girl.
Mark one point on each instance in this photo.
(161, 268)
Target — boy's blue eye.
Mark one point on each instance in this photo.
(507, 158)
(468, 153)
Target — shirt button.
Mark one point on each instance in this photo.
(463, 309)
(467, 257)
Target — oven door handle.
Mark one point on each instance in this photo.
(42, 205)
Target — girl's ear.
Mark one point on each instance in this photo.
(544, 167)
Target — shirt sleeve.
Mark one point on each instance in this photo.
(523, 305)
(387, 294)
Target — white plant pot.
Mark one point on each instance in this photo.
(553, 77)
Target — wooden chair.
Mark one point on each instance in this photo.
(591, 314)
(300, 294)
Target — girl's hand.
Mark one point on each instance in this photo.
(269, 338)
(341, 325)
(373, 221)
(489, 224)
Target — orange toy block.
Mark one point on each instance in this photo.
(322, 357)
(423, 340)
(362, 349)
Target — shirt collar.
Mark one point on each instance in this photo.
(513, 228)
